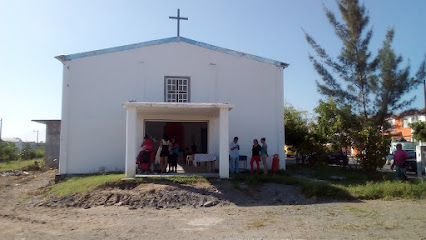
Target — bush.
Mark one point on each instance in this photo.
(32, 153)
(374, 147)
(7, 152)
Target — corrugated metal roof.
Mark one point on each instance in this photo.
(64, 58)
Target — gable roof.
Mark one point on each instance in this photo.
(409, 112)
(64, 58)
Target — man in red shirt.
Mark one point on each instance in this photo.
(399, 157)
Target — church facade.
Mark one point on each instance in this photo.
(202, 94)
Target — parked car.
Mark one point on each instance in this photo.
(337, 158)
(289, 150)
(412, 163)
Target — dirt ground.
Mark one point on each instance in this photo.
(214, 210)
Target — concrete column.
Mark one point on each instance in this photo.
(223, 143)
(65, 122)
(420, 158)
(131, 142)
(280, 111)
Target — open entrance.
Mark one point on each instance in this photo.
(191, 137)
(203, 127)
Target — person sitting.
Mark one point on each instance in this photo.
(146, 155)
(147, 144)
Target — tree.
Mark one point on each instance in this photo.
(419, 131)
(353, 65)
(299, 135)
(335, 125)
(392, 83)
(352, 78)
(296, 126)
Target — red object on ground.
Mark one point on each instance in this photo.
(275, 163)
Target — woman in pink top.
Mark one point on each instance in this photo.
(399, 157)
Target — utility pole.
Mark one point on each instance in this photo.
(1, 127)
(37, 135)
(424, 89)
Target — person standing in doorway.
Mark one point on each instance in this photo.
(234, 154)
(165, 151)
(264, 155)
(255, 155)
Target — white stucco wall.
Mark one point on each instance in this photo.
(94, 121)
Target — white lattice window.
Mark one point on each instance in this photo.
(414, 118)
(405, 123)
(176, 89)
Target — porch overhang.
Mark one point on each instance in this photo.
(158, 108)
(218, 112)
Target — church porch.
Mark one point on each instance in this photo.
(215, 115)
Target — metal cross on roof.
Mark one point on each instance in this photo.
(178, 18)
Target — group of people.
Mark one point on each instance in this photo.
(259, 153)
(166, 155)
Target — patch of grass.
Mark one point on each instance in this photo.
(348, 175)
(313, 188)
(308, 187)
(256, 224)
(368, 224)
(352, 226)
(192, 179)
(389, 190)
(83, 184)
(355, 184)
(362, 212)
(18, 164)
(253, 180)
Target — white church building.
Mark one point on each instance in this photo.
(204, 94)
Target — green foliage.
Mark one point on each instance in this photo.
(323, 189)
(296, 126)
(374, 147)
(354, 185)
(392, 83)
(83, 184)
(353, 65)
(314, 148)
(376, 185)
(7, 152)
(30, 153)
(298, 134)
(390, 190)
(371, 86)
(419, 131)
(335, 124)
(345, 177)
(352, 78)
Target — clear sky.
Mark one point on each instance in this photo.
(33, 32)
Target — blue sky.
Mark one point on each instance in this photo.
(33, 32)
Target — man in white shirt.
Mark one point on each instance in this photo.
(234, 154)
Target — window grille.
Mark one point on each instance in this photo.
(176, 89)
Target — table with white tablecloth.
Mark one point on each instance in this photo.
(205, 157)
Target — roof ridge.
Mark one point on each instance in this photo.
(64, 58)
